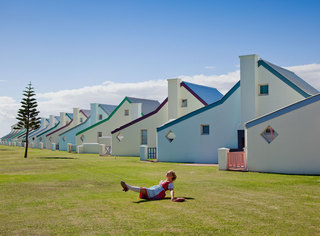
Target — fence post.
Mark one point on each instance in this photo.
(41, 145)
(69, 147)
(102, 149)
(143, 152)
(53, 146)
(223, 158)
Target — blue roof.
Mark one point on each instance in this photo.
(283, 111)
(70, 115)
(86, 112)
(290, 78)
(147, 104)
(108, 108)
(207, 94)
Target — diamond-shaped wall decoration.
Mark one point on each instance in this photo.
(82, 138)
(269, 134)
(170, 136)
(119, 137)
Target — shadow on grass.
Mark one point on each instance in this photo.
(57, 158)
(167, 198)
(4, 149)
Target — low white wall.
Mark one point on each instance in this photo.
(296, 148)
(91, 148)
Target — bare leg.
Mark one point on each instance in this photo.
(133, 188)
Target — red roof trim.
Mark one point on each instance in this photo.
(182, 84)
(83, 113)
(141, 118)
(59, 128)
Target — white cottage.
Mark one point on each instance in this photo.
(286, 140)
(66, 124)
(128, 110)
(263, 88)
(183, 98)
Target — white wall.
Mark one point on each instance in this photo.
(280, 94)
(296, 148)
(190, 146)
(130, 144)
(118, 119)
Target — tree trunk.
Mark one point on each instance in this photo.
(27, 144)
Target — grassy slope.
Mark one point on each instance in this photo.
(58, 192)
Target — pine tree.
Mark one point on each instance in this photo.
(28, 115)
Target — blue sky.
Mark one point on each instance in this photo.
(71, 44)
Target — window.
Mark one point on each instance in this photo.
(99, 134)
(144, 137)
(184, 102)
(205, 129)
(40, 139)
(263, 89)
(100, 117)
(64, 138)
(82, 138)
(81, 120)
(50, 139)
(126, 112)
(269, 134)
(170, 136)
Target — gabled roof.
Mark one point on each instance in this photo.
(147, 104)
(141, 118)
(69, 123)
(108, 108)
(203, 109)
(206, 95)
(86, 112)
(283, 111)
(289, 78)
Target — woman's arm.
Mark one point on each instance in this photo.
(172, 194)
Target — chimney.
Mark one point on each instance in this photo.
(136, 110)
(93, 113)
(62, 119)
(43, 122)
(173, 98)
(76, 116)
(249, 84)
(51, 118)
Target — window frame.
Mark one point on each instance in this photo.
(100, 117)
(201, 129)
(141, 137)
(184, 101)
(263, 94)
(126, 112)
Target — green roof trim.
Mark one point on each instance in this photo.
(108, 118)
(203, 109)
(49, 129)
(284, 79)
(18, 134)
(69, 116)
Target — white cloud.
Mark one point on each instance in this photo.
(310, 73)
(209, 67)
(1, 80)
(112, 93)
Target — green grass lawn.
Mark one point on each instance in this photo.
(63, 193)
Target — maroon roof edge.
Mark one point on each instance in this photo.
(141, 118)
(182, 84)
(83, 113)
(59, 128)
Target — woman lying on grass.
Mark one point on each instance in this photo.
(156, 192)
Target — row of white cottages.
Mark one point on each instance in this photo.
(270, 115)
